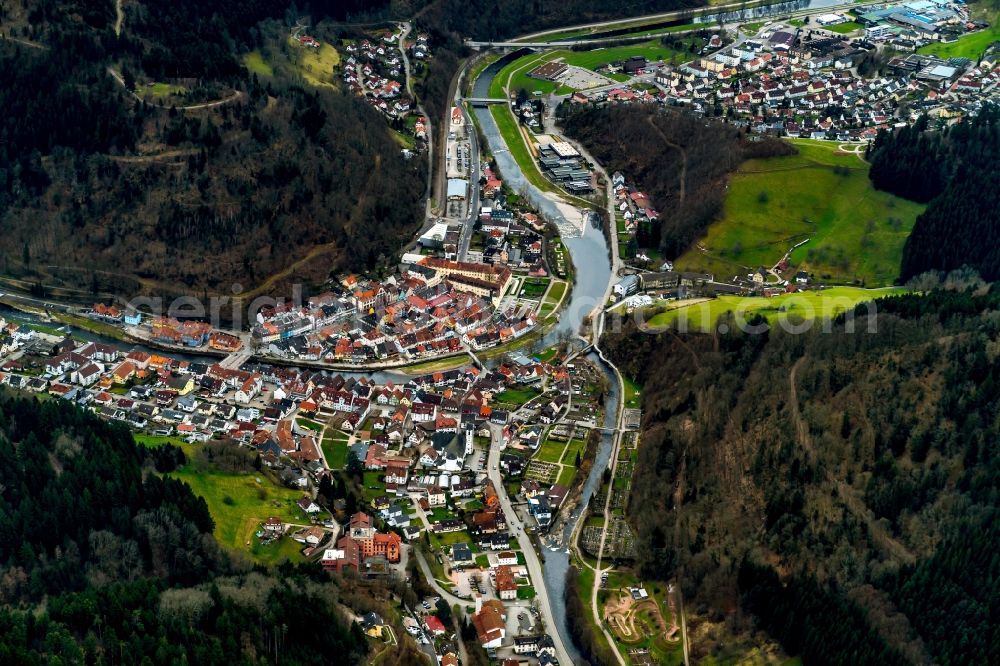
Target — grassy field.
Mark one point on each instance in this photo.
(315, 66)
(573, 447)
(159, 89)
(515, 396)
(518, 71)
(972, 45)
(969, 46)
(632, 393)
(335, 450)
(277, 552)
(308, 424)
(533, 287)
(239, 503)
(551, 299)
(566, 475)
(374, 486)
(807, 305)
(255, 62)
(856, 233)
(653, 50)
(88, 324)
(551, 451)
(449, 363)
(157, 440)
(844, 28)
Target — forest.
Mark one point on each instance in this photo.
(106, 561)
(487, 19)
(957, 171)
(834, 488)
(678, 160)
(131, 196)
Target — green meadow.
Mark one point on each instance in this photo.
(854, 233)
(790, 308)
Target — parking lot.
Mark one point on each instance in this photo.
(582, 79)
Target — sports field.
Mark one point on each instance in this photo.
(844, 28)
(855, 234)
(519, 70)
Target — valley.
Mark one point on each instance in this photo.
(625, 341)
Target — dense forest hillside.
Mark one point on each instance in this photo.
(957, 171)
(98, 187)
(104, 561)
(676, 158)
(839, 487)
(488, 19)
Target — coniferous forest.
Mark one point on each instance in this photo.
(840, 489)
(957, 171)
(99, 187)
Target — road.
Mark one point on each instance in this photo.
(405, 29)
(425, 569)
(530, 556)
(193, 107)
(616, 444)
(119, 17)
(472, 137)
(473, 209)
(538, 37)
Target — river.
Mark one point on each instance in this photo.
(11, 314)
(588, 251)
(592, 271)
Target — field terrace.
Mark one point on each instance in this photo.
(434, 308)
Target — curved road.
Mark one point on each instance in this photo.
(404, 33)
(118, 77)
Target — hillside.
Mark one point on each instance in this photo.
(835, 490)
(957, 171)
(679, 161)
(103, 560)
(265, 181)
(821, 198)
(485, 19)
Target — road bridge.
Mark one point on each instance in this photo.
(485, 101)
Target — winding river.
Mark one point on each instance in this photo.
(592, 271)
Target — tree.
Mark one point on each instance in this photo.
(355, 468)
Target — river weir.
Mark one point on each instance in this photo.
(588, 248)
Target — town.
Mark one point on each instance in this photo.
(842, 77)
(448, 423)
(466, 470)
